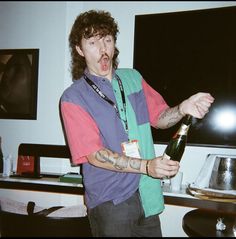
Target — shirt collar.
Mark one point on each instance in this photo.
(98, 79)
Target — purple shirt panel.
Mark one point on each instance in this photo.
(97, 181)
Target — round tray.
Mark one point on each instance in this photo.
(210, 194)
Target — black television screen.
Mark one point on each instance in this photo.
(182, 53)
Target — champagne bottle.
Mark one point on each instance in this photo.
(1, 156)
(176, 145)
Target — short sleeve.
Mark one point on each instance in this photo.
(155, 102)
(81, 131)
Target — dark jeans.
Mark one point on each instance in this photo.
(123, 220)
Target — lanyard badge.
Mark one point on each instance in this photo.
(131, 148)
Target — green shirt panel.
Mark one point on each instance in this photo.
(150, 188)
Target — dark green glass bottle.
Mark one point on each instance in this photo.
(176, 145)
(1, 156)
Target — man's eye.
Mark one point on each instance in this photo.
(91, 43)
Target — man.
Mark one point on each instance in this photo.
(107, 113)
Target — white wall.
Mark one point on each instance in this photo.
(36, 25)
(40, 25)
(46, 25)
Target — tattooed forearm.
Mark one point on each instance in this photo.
(135, 163)
(117, 161)
(120, 162)
(171, 116)
(103, 156)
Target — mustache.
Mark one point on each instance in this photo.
(102, 56)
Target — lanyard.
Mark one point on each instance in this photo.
(104, 97)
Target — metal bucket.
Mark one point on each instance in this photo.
(223, 174)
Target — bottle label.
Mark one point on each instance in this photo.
(183, 130)
(165, 157)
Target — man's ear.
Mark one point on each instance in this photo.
(78, 49)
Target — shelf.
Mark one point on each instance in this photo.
(182, 198)
(50, 183)
(47, 183)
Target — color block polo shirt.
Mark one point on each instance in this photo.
(91, 123)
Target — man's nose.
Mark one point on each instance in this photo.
(103, 46)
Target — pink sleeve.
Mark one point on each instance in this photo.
(156, 103)
(81, 131)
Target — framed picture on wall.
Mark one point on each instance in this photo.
(18, 83)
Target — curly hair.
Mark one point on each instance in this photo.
(86, 25)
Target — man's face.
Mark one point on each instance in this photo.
(98, 52)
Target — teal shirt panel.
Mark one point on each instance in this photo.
(149, 188)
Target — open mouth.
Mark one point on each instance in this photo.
(104, 62)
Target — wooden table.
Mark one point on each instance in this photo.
(202, 223)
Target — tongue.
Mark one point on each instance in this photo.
(104, 64)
